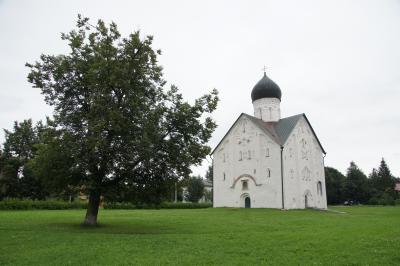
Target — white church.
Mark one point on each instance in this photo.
(265, 161)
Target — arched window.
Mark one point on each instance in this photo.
(319, 188)
(245, 185)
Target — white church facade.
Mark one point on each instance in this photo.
(265, 161)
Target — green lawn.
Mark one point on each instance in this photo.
(360, 236)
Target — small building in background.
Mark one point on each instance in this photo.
(397, 187)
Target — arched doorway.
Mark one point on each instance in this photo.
(247, 202)
(308, 199)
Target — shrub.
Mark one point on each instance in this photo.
(184, 205)
(387, 199)
(27, 204)
(374, 201)
(384, 199)
(119, 205)
(164, 205)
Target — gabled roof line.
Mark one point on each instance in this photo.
(226, 134)
(252, 118)
(315, 135)
(267, 127)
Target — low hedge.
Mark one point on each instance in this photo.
(164, 205)
(119, 206)
(27, 204)
(184, 205)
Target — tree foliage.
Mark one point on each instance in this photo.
(20, 143)
(209, 173)
(382, 184)
(334, 181)
(118, 122)
(195, 189)
(16, 177)
(356, 184)
(53, 164)
(382, 179)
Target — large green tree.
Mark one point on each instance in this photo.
(382, 184)
(356, 187)
(382, 179)
(20, 142)
(17, 178)
(335, 182)
(117, 120)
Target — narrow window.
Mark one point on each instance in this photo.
(290, 152)
(267, 152)
(240, 156)
(224, 176)
(254, 171)
(245, 185)
(249, 157)
(270, 113)
(319, 188)
(268, 172)
(224, 158)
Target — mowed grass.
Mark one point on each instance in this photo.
(359, 236)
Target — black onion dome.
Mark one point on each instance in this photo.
(265, 88)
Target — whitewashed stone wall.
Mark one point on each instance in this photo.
(248, 154)
(303, 169)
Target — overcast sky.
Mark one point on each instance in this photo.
(336, 61)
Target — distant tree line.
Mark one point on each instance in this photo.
(355, 187)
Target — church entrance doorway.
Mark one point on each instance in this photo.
(308, 200)
(247, 203)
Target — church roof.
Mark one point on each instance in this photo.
(286, 125)
(278, 131)
(265, 88)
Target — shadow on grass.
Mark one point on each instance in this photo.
(117, 228)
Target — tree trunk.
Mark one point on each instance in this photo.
(92, 209)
